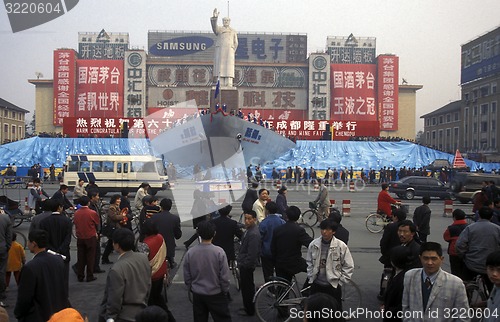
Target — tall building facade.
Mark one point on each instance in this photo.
(471, 124)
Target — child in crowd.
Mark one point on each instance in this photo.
(16, 260)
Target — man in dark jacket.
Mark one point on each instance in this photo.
(226, 229)
(61, 196)
(250, 197)
(42, 292)
(389, 240)
(286, 246)
(248, 257)
(169, 226)
(422, 218)
(59, 228)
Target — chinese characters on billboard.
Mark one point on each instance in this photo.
(135, 83)
(388, 92)
(319, 89)
(64, 84)
(99, 90)
(353, 92)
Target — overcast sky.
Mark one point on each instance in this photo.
(425, 34)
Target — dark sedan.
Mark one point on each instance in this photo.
(409, 187)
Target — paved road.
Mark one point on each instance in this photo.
(364, 246)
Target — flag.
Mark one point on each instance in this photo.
(217, 88)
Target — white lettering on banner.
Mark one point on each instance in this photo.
(281, 125)
(351, 106)
(110, 123)
(81, 122)
(95, 122)
(181, 46)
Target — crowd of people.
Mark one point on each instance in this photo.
(412, 280)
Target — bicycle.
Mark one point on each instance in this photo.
(233, 264)
(274, 299)
(21, 238)
(311, 217)
(477, 292)
(375, 222)
(309, 230)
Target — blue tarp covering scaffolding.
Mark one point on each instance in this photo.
(318, 154)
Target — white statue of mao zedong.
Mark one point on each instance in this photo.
(225, 50)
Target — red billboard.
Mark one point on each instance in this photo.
(388, 91)
(99, 88)
(64, 84)
(353, 92)
(86, 127)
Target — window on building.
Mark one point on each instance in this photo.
(14, 115)
(484, 109)
(13, 130)
(466, 97)
(484, 126)
(440, 134)
(493, 143)
(466, 113)
(474, 111)
(6, 113)
(433, 121)
(457, 116)
(455, 133)
(427, 137)
(493, 107)
(474, 128)
(441, 119)
(493, 88)
(493, 125)
(6, 128)
(448, 118)
(427, 122)
(485, 91)
(433, 135)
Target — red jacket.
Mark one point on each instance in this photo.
(384, 202)
(86, 222)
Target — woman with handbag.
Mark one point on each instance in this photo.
(116, 219)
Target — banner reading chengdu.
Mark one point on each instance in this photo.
(99, 88)
(353, 92)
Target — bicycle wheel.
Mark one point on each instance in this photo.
(269, 301)
(351, 297)
(309, 230)
(21, 238)
(375, 223)
(476, 296)
(310, 217)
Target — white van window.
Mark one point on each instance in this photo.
(96, 166)
(84, 166)
(138, 166)
(108, 166)
(73, 166)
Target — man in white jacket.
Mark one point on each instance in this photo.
(329, 262)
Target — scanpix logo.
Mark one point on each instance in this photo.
(26, 14)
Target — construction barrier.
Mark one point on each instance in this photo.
(346, 208)
(352, 188)
(332, 202)
(26, 207)
(448, 208)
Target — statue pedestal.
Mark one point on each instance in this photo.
(228, 96)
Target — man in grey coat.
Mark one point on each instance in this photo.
(247, 261)
(128, 283)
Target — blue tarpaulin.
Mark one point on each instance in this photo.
(318, 154)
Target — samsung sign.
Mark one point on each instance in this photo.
(181, 46)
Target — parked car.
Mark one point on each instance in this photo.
(409, 187)
(465, 185)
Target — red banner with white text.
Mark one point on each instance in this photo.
(64, 84)
(388, 91)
